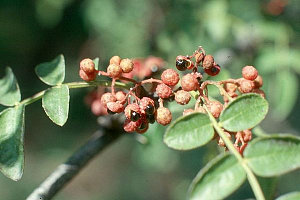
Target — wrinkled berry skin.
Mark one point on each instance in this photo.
(86, 76)
(182, 97)
(208, 62)
(87, 65)
(130, 108)
(114, 71)
(245, 86)
(215, 107)
(249, 73)
(170, 77)
(107, 97)
(115, 60)
(188, 111)
(213, 71)
(143, 127)
(120, 95)
(258, 82)
(182, 63)
(230, 87)
(189, 82)
(163, 91)
(126, 65)
(163, 116)
(115, 107)
(130, 126)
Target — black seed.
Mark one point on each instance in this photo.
(110, 112)
(181, 64)
(143, 126)
(149, 109)
(150, 118)
(134, 116)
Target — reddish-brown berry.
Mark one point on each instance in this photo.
(115, 60)
(107, 97)
(147, 106)
(208, 62)
(170, 77)
(215, 108)
(260, 92)
(130, 126)
(188, 111)
(189, 82)
(200, 109)
(199, 56)
(230, 87)
(87, 65)
(143, 127)
(182, 97)
(182, 63)
(258, 82)
(86, 76)
(120, 95)
(215, 70)
(163, 91)
(126, 65)
(221, 143)
(249, 73)
(115, 107)
(114, 71)
(245, 86)
(247, 135)
(132, 112)
(163, 116)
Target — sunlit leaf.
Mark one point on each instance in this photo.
(273, 155)
(11, 142)
(56, 104)
(9, 89)
(189, 132)
(244, 112)
(218, 179)
(52, 73)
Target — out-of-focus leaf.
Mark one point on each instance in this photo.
(56, 104)
(268, 186)
(268, 60)
(218, 179)
(294, 59)
(244, 112)
(52, 73)
(9, 89)
(290, 196)
(11, 142)
(96, 62)
(274, 155)
(189, 132)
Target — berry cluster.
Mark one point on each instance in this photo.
(142, 106)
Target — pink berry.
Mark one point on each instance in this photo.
(249, 73)
(182, 97)
(189, 82)
(163, 116)
(245, 86)
(163, 91)
(87, 65)
(215, 108)
(170, 77)
(120, 95)
(114, 71)
(115, 60)
(126, 65)
(87, 76)
(115, 107)
(258, 82)
(188, 111)
(107, 97)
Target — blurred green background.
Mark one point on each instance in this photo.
(237, 32)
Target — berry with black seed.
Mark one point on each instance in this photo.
(126, 65)
(107, 97)
(170, 77)
(150, 118)
(87, 65)
(213, 71)
(115, 60)
(147, 105)
(182, 97)
(215, 108)
(249, 73)
(120, 95)
(114, 71)
(182, 63)
(189, 82)
(130, 126)
(208, 62)
(163, 91)
(87, 76)
(110, 112)
(163, 116)
(143, 127)
(132, 111)
(245, 86)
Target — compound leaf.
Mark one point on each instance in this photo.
(11, 142)
(244, 112)
(52, 73)
(189, 132)
(56, 104)
(218, 179)
(9, 89)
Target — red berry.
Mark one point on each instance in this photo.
(115, 60)
(182, 97)
(215, 108)
(126, 65)
(130, 126)
(143, 127)
(132, 111)
(87, 65)
(114, 71)
(208, 62)
(115, 107)
(147, 106)
(213, 71)
(97, 108)
(170, 77)
(182, 63)
(163, 116)
(199, 57)
(163, 91)
(187, 111)
(258, 82)
(249, 73)
(247, 135)
(86, 76)
(107, 97)
(245, 86)
(189, 82)
(120, 95)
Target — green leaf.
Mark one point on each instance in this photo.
(9, 89)
(218, 179)
(189, 132)
(52, 73)
(268, 186)
(244, 112)
(274, 155)
(290, 196)
(11, 142)
(96, 62)
(56, 104)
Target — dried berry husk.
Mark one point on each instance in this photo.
(150, 118)
(134, 116)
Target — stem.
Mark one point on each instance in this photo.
(64, 173)
(74, 85)
(251, 177)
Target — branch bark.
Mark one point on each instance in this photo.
(66, 171)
